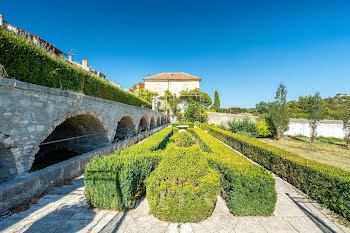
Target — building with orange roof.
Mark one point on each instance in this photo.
(173, 82)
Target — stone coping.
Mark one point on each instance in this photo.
(57, 92)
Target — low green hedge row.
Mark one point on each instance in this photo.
(115, 181)
(183, 188)
(26, 62)
(326, 184)
(182, 139)
(248, 188)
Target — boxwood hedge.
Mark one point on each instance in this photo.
(115, 181)
(27, 62)
(248, 188)
(326, 184)
(183, 188)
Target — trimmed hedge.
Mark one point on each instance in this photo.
(183, 188)
(184, 139)
(26, 62)
(326, 184)
(248, 188)
(115, 181)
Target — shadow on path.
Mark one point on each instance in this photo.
(54, 196)
(319, 223)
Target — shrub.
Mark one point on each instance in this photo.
(326, 184)
(262, 130)
(184, 139)
(115, 181)
(248, 188)
(26, 62)
(222, 126)
(183, 188)
(242, 126)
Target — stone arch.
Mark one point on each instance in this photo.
(163, 120)
(143, 125)
(158, 121)
(75, 135)
(153, 123)
(8, 168)
(126, 128)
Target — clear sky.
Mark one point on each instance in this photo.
(241, 48)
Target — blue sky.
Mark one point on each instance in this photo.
(242, 48)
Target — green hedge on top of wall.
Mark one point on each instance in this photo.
(249, 190)
(26, 62)
(326, 184)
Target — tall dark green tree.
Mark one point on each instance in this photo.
(279, 112)
(316, 114)
(216, 105)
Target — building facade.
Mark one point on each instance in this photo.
(173, 82)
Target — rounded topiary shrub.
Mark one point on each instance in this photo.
(184, 139)
(183, 188)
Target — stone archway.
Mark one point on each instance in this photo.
(125, 129)
(158, 121)
(76, 135)
(143, 126)
(153, 123)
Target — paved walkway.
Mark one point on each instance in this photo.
(66, 210)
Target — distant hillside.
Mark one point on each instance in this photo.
(299, 108)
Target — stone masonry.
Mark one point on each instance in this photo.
(30, 113)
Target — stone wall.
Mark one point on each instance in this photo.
(218, 118)
(29, 114)
(326, 128)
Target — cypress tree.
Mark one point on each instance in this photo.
(216, 105)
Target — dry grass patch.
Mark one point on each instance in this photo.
(332, 153)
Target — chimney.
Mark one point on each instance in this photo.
(84, 62)
(148, 76)
(70, 57)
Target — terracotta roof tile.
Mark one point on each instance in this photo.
(172, 76)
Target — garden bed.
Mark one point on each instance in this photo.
(326, 184)
(182, 174)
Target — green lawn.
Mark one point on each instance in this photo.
(324, 150)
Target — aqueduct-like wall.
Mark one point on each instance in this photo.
(32, 117)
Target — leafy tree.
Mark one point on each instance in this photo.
(279, 112)
(344, 115)
(140, 85)
(171, 101)
(316, 114)
(263, 108)
(198, 103)
(139, 90)
(145, 94)
(216, 105)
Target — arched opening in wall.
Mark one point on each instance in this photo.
(75, 136)
(125, 129)
(153, 123)
(163, 120)
(8, 168)
(143, 124)
(158, 121)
